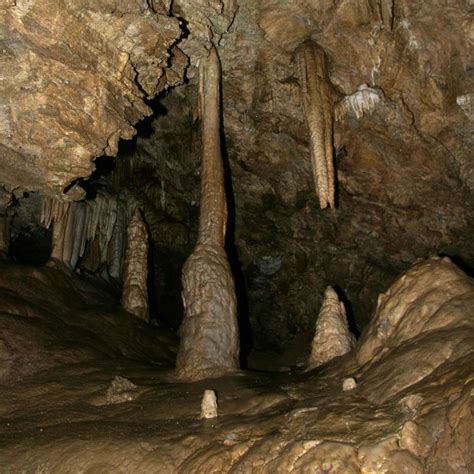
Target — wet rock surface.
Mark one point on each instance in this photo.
(122, 415)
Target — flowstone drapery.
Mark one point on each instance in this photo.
(209, 332)
(318, 111)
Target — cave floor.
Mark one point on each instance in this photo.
(72, 418)
(87, 388)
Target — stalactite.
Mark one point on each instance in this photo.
(209, 332)
(318, 110)
(365, 100)
(77, 223)
(135, 276)
(332, 337)
(384, 11)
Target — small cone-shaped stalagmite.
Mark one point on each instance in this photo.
(318, 110)
(135, 290)
(209, 404)
(332, 337)
(209, 332)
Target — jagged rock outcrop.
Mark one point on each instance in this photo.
(75, 78)
(135, 271)
(207, 21)
(332, 337)
(209, 332)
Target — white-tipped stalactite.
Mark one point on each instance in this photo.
(318, 105)
(209, 333)
(332, 337)
(135, 274)
(361, 102)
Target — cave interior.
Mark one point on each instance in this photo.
(236, 236)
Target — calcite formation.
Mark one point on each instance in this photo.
(209, 332)
(76, 76)
(86, 228)
(349, 384)
(433, 295)
(135, 272)
(318, 110)
(74, 79)
(411, 410)
(332, 337)
(209, 405)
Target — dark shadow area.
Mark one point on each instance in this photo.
(466, 267)
(29, 242)
(166, 282)
(31, 246)
(351, 321)
(105, 165)
(243, 313)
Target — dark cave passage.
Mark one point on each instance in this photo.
(29, 241)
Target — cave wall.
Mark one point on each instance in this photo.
(404, 166)
(78, 76)
(404, 170)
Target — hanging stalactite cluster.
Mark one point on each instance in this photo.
(93, 229)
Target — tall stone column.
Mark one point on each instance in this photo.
(209, 333)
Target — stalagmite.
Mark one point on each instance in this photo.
(209, 405)
(332, 337)
(209, 332)
(349, 384)
(135, 285)
(318, 110)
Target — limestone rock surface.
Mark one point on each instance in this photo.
(74, 79)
